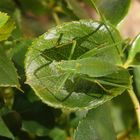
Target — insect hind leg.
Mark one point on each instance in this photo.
(94, 96)
(64, 99)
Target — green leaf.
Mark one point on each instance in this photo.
(96, 125)
(75, 6)
(37, 7)
(113, 10)
(4, 131)
(134, 53)
(122, 113)
(18, 32)
(19, 51)
(7, 6)
(6, 30)
(34, 128)
(8, 74)
(137, 79)
(6, 26)
(58, 134)
(85, 42)
(3, 18)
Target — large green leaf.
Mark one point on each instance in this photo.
(8, 74)
(96, 125)
(113, 10)
(4, 131)
(53, 79)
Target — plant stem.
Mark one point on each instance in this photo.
(127, 63)
(56, 18)
(98, 11)
(19, 6)
(123, 135)
(136, 105)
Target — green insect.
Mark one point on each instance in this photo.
(72, 62)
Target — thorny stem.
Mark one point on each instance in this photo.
(136, 105)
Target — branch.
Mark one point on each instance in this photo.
(136, 105)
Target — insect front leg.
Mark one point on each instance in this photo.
(73, 49)
(94, 95)
(61, 84)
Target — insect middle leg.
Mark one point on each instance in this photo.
(61, 84)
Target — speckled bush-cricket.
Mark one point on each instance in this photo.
(72, 63)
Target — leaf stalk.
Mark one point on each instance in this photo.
(56, 18)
